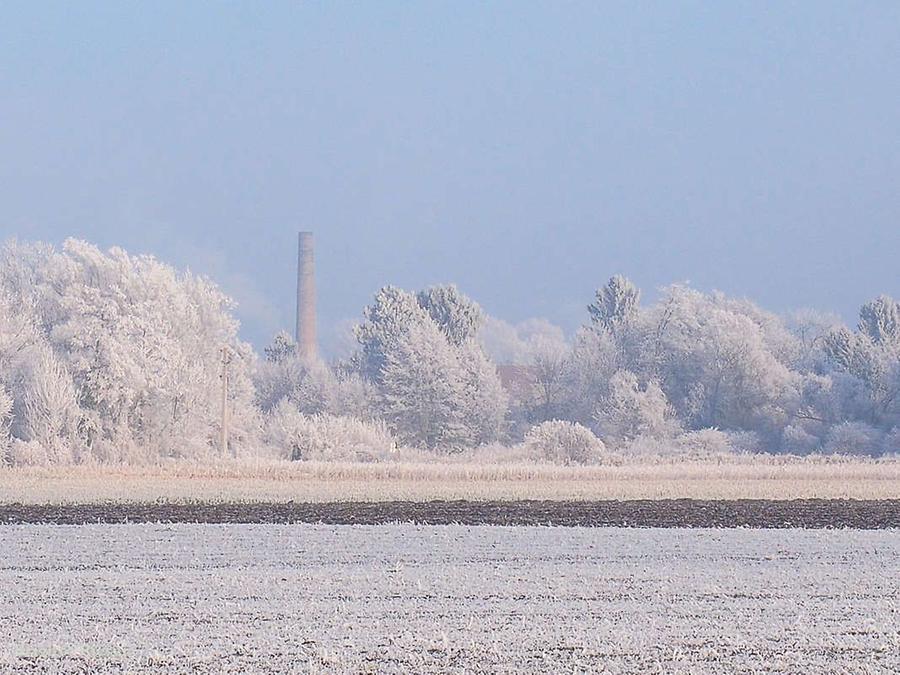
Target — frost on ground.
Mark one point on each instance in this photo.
(262, 598)
(720, 477)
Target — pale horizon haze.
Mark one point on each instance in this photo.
(525, 151)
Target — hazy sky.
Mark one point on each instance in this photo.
(525, 151)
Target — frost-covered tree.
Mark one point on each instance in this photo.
(385, 323)
(616, 311)
(615, 304)
(424, 390)
(50, 412)
(437, 387)
(135, 343)
(112, 357)
(549, 366)
(716, 361)
(517, 344)
(856, 354)
(458, 316)
(283, 347)
(592, 362)
(277, 380)
(536, 356)
(485, 401)
(868, 365)
(880, 320)
(631, 410)
(854, 438)
(810, 329)
(312, 387)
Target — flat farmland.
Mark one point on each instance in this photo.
(675, 513)
(446, 599)
(734, 477)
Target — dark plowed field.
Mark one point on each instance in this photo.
(807, 513)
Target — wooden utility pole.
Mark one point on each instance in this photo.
(226, 361)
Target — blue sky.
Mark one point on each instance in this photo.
(525, 151)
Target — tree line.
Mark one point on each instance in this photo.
(110, 357)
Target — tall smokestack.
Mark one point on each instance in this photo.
(306, 297)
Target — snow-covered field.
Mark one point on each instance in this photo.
(259, 598)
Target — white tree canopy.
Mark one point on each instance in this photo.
(114, 356)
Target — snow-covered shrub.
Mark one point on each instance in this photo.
(796, 440)
(696, 444)
(28, 453)
(497, 453)
(705, 442)
(745, 441)
(326, 437)
(564, 442)
(854, 438)
(649, 446)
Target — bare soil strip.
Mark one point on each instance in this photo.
(676, 513)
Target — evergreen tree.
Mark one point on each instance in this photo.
(615, 304)
(458, 317)
(424, 390)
